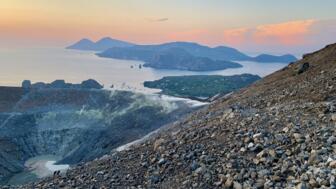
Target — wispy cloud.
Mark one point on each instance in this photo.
(158, 20)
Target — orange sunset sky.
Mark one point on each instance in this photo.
(253, 25)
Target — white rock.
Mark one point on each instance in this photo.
(333, 117)
(329, 160)
(286, 129)
(257, 135)
(332, 164)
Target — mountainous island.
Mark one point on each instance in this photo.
(277, 133)
(177, 55)
(101, 45)
(201, 87)
(170, 58)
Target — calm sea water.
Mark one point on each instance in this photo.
(49, 64)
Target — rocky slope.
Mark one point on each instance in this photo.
(278, 133)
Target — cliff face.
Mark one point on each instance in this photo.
(75, 124)
(280, 132)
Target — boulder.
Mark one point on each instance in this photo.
(304, 67)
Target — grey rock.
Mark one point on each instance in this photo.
(302, 185)
(194, 166)
(162, 161)
(260, 183)
(331, 140)
(237, 185)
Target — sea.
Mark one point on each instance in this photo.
(49, 64)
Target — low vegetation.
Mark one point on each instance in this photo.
(201, 86)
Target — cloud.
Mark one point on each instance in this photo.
(286, 36)
(158, 20)
(299, 35)
(288, 33)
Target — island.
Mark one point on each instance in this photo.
(201, 87)
(171, 58)
(100, 45)
(266, 58)
(176, 55)
(187, 56)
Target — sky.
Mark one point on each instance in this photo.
(294, 26)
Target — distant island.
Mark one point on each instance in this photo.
(170, 58)
(177, 55)
(201, 87)
(266, 58)
(61, 84)
(101, 45)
